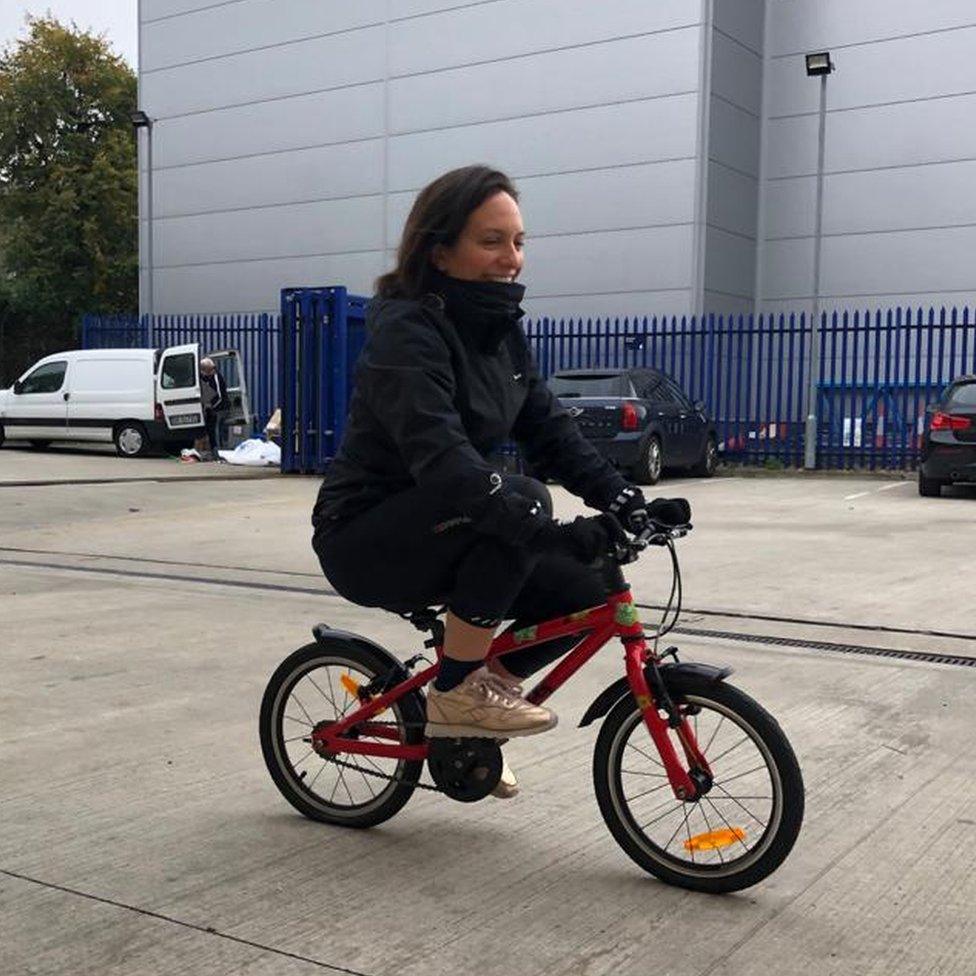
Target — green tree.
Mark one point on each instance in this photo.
(68, 188)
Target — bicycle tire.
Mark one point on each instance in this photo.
(786, 807)
(408, 712)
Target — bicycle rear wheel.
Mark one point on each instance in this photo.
(307, 690)
(741, 829)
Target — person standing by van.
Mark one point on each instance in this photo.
(213, 395)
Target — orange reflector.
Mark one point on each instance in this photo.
(351, 686)
(715, 839)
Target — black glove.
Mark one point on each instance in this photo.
(670, 511)
(630, 508)
(585, 538)
(634, 510)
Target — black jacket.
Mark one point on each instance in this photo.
(431, 402)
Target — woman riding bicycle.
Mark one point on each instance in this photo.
(412, 513)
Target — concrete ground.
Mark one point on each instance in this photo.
(141, 834)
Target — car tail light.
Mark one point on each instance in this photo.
(158, 413)
(629, 418)
(948, 421)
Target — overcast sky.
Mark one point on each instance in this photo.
(116, 19)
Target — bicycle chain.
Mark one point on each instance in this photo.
(375, 772)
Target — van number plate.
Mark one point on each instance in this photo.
(185, 418)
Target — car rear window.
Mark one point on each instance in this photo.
(591, 385)
(962, 395)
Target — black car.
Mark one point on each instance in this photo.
(949, 439)
(640, 419)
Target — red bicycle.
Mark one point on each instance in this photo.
(695, 780)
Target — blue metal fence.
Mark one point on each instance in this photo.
(878, 370)
(254, 336)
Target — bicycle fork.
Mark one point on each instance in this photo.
(687, 784)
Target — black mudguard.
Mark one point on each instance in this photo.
(326, 635)
(672, 675)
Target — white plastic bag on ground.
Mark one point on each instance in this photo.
(253, 452)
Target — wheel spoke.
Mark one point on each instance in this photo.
(728, 779)
(727, 824)
(677, 806)
(638, 772)
(653, 789)
(630, 745)
(303, 708)
(735, 800)
(329, 698)
(704, 751)
(718, 850)
(291, 718)
(722, 755)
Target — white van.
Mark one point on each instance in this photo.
(135, 398)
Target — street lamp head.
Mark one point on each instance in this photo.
(140, 120)
(819, 64)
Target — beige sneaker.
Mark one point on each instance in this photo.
(508, 785)
(482, 707)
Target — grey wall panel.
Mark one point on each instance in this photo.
(483, 32)
(331, 226)
(810, 26)
(586, 138)
(890, 199)
(313, 65)
(154, 9)
(720, 304)
(629, 305)
(732, 200)
(418, 8)
(619, 261)
(743, 20)
(662, 64)
(893, 135)
(941, 64)
(730, 264)
(917, 261)
(256, 286)
(632, 196)
(790, 207)
(916, 300)
(309, 120)
(788, 269)
(734, 137)
(736, 73)
(328, 172)
(218, 31)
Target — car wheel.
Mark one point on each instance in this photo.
(650, 460)
(40, 445)
(929, 487)
(705, 468)
(131, 439)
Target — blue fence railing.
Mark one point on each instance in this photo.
(254, 336)
(878, 370)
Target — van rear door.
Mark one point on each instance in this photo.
(237, 417)
(178, 387)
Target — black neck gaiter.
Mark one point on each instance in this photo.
(489, 309)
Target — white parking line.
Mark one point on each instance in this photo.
(861, 494)
(897, 484)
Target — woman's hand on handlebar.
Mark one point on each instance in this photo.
(636, 514)
(588, 539)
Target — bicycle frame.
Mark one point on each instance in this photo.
(616, 618)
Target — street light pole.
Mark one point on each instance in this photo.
(142, 121)
(818, 65)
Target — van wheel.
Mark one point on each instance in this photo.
(131, 439)
(40, 445)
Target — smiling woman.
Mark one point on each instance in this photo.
(412, 512)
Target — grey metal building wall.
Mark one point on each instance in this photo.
(291, 136)
(899, 216)
(734, 124)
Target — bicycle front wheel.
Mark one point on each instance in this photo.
(743, 826)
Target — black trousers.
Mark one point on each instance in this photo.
(413, 550)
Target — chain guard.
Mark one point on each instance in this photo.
(465, 769)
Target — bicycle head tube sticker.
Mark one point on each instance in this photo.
(625, 614)
(715, 839)
(525, 634)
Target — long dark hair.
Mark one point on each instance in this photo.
(438, 216)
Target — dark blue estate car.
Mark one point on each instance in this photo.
(639, 419)
(949, 439)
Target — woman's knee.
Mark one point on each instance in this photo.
(520, 484)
